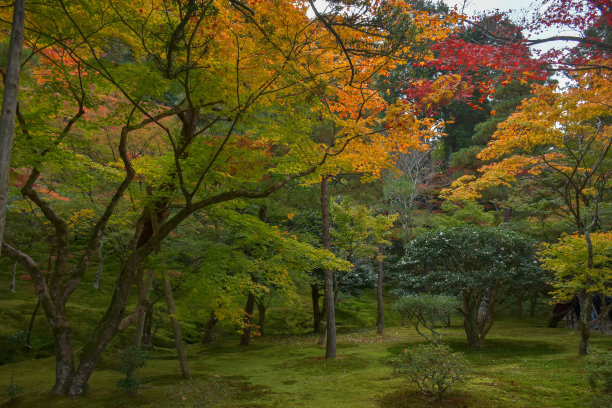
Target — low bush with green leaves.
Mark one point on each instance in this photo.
(427, 311)
(434, 368)
(132, 360)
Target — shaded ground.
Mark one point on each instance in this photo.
(521, 366)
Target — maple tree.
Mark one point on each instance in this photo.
(560, 139)
(192, 97)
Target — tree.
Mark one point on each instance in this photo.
(10, 79)
(478, 264)
(560, 140)
(577, 272)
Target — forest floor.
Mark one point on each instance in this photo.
(522, 365)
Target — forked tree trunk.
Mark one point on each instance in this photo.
(330, 347)
(9, 106)
(379, 290)
(176, 329)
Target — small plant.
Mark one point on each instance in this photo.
(427, 311)
(434, 368)
(15, 343)
(599, 376)
(132, 360)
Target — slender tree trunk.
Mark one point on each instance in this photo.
(13, 276)
(245, 340)
(144, 306)
(317, 313)
(261, 308)
(178, 339)
(147, 331)
(533, 303)
(208, 328)
(585, 300)
(379, 290)
(519, 304)
(100, 267)
(31, 325)
(330, 348)
(9, 107)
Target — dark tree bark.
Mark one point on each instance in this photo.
(9, 106)
(533, 303)
(208, 328)
(317, 313)
(261, 315)
(245, 340)
(330, 346)
(176, 329)
(379, 292)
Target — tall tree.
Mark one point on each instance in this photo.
(10, 78)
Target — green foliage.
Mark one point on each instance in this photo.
(568, 260)
(132, 360)
(434, 368)
(453, 260)
(427, 311)
(599, 377)
(14, 390)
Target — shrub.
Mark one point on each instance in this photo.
(599, 376)
(132, 360)
(434, 368)
(427, 311)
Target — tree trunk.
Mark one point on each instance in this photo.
(31, 325)
(64, 356)
(100, 267)
(13, 276)
(9, 107)
(147, 331)
(379, 291)
(519, 304)
(208, 328)
(178, 339)
(533, 303)
(585, 300)
(107, 327)
(507, 214)
(261, 308)
(317, 313)
(470, 322)
(330, 348)
(144, 306)
(245, 340)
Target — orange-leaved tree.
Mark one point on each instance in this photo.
(198, 90)
(561, 140)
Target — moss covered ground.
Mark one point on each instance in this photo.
(522, 365)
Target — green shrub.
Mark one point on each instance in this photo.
(434, 368)
(427, 311)
(132, 360)
(599, 376)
